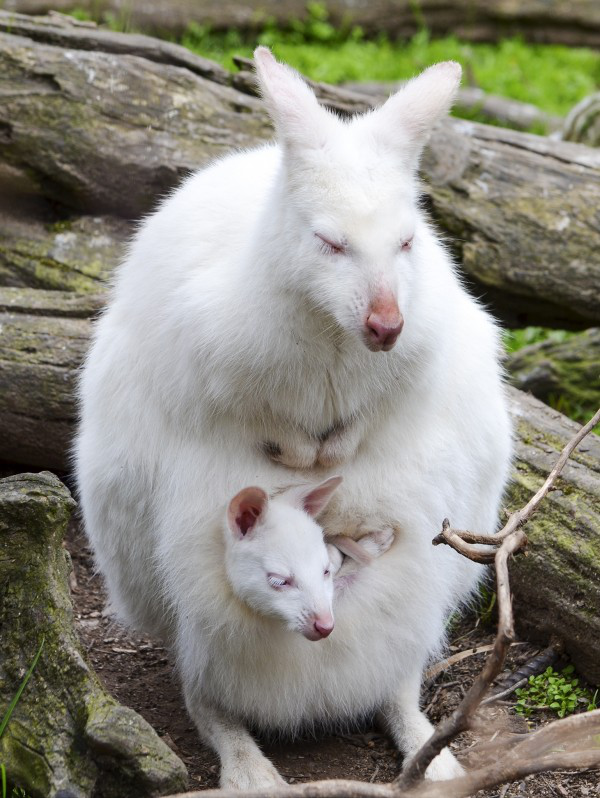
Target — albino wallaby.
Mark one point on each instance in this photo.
(287, 309)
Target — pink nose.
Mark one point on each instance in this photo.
(323, 629)
(382, 332)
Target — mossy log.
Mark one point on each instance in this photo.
(556, 583)
(45, 335)
(104, 132)
(573, 22)
(67, 736)
(73, 255)
(566, 373)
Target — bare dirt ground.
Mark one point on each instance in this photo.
(139, 672)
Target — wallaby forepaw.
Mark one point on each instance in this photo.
(302, 456)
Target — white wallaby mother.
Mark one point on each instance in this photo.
(287, 314)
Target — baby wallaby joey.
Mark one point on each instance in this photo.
(278, 562)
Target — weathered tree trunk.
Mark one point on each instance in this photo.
(561, 21)
(45, 335)
(67, 736)
(567, 372)
(556, 584)
(102, 132)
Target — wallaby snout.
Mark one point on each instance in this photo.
(383, 325)
(319, 627)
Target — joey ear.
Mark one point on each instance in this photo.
(314, 499)
(299, 119)
(245, 509)
(416, 107)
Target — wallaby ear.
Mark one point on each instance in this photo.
(299, 119)
(314, 499)
(245, 509)
(408, 116)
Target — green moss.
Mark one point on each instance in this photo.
(56, 738)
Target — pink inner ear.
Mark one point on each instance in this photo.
(246, 518)
(317, 499)
(245, 509)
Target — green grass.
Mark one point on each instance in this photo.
(550, 76)
(558, 692)
(517, 339)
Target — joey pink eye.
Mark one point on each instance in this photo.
(331, 247)
(326, 572)
(406, 244)
(277, 581)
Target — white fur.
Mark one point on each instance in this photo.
(233, 353)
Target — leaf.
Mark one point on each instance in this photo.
(22, 686)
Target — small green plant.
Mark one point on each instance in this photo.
(559, 692)
(16, 792)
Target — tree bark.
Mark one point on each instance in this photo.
(573, 22)
(67, 736)
(108, 133)
(564, 372)
(72, 255)
(556, 584)
(45, 335)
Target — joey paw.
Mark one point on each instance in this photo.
(377, 543)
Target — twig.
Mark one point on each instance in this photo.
(507, 691)
(440, 667)
(457, 538)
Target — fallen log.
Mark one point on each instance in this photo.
(566, 373)
(494, 109)
(67, 736)
(45, 335)
(556, 585)
(71, 255)
(120, 131)
(575, 22)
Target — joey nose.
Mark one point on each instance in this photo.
(324, 628)
(383, 331)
